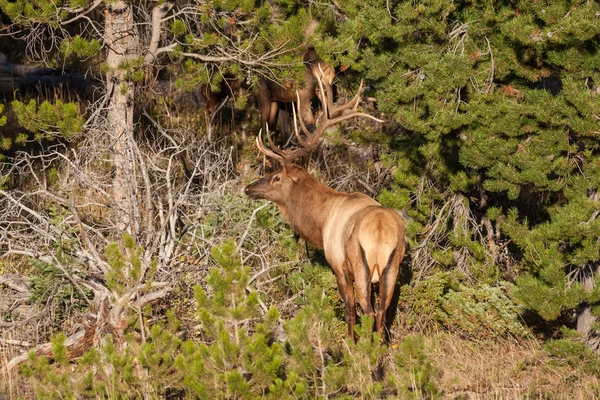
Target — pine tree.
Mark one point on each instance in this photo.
(497, 111)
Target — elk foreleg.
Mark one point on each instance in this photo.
(273, 109)
(264, 103)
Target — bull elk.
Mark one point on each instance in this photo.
(270, 93)
(363, 241)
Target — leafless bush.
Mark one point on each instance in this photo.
(65, 213)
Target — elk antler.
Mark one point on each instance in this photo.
(312, 138)
(283, 156)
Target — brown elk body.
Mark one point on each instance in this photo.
(270, 93)
(362, 240)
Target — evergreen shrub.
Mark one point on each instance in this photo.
(479, 311)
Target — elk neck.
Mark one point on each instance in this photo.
(309, 207)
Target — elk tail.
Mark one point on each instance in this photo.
(374, 273)
(376, 268)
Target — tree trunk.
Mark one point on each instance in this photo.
(585, 317)
(122, 42)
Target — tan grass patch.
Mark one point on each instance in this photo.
(12, 385)
(504, 369)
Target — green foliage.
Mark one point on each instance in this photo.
(105, 373)
(251, 27)
(231, 218)
(125, 265)
(575, 354)
(53, 176)
(53, 285)
(496, 102)
(3, 117)
(80, 47)
(424, 300)
(178, 27)
(361, 361)
(557, 253)
(414, 373)
(237, 356)
(311, 338)
(3, 178)
(480, 311)
(134, 67)
(118, 377)
(31, 13)
(51, 380)
(5, 143)
(483, 312)
(237, 351)
(48, 120)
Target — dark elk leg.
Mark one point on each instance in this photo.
(386, 292)
(362, 283)
(264, 103)
(347, 292)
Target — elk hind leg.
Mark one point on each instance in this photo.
(387, 284)
(362, 281)
(344, 282)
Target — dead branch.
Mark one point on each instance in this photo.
(12, 342)
(15, 282)
(72, 343)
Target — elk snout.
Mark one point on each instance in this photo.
(253, 191)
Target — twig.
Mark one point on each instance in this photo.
(243, 238)
(12, 342)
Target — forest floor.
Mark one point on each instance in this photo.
(461, 369)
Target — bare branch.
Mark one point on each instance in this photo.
(46, 349)
(15, 282)
(81, 12)
(243, 238)
(152, 296)
(158, 14)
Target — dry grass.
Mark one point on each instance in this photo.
(507, 369)
(12, 385)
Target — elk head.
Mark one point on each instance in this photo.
(277, 186)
